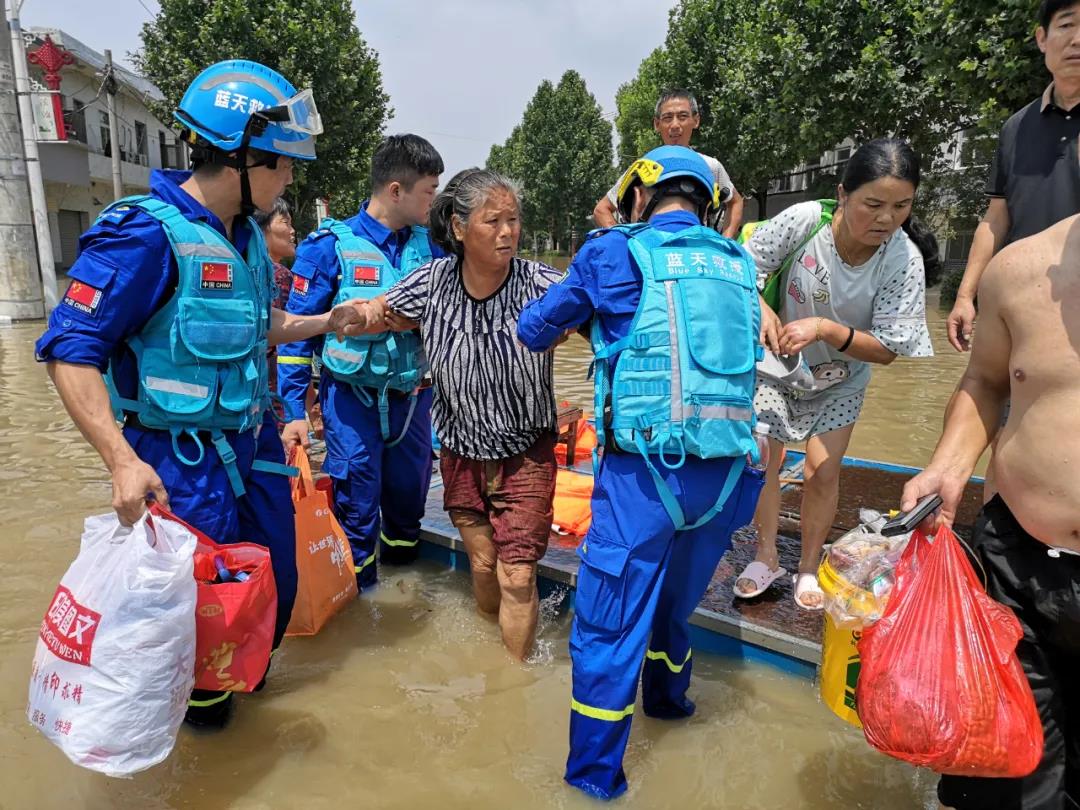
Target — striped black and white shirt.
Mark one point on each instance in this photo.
(493, 397)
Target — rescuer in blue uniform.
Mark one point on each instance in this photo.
(167, 322)
(376, 402)
(674, 321)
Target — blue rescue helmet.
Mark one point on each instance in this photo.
(672, 171)
(239, 104)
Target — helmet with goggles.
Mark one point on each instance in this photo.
(239, 105)
(670, 171)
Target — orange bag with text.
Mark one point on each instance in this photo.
(234, 619)
(326, 580)
(940, 684)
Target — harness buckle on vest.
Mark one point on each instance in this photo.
(228, 460)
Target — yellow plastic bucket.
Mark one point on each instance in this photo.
(840, 665)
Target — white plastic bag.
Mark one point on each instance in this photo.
(115, 658)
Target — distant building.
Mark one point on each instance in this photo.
(78, 169)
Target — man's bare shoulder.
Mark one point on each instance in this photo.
(1032, 258)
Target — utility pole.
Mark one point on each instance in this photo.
(114, 129)
(20, 277)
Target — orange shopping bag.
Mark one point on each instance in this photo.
(324, 564)
(234, 620)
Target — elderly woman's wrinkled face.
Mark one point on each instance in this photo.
(492, 232)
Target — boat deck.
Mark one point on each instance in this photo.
(769, 628)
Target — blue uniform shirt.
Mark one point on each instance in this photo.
(125, 272)
(603, 280)
(316, 278)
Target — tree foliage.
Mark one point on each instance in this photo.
(780, 82)
(561, 153)
(313, 43)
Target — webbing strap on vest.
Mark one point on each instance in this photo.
(671, 504)
(228, 460)
(384, 417)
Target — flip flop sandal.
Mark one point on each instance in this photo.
(803, 584)
(760, 574)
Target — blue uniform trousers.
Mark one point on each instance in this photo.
(638, 585)
(202, 496)
(369, 476)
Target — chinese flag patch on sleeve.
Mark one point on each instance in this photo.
(216, 276)
(300, 285)
(83, 297)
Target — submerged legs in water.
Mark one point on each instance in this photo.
(520, 607)
(505, 592)
(480, 547)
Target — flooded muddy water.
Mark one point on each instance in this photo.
(407, 700)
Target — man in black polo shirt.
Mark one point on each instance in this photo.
(1035, 177)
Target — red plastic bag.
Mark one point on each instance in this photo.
(234, 621)
(941, 686)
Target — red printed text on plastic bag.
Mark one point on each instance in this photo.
(68, 628)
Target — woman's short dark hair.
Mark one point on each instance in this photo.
(467, 190)
(1048, 8)
(891, 157)
(405, 159)
(280, 208)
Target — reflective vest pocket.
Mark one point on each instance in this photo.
(217, 330)
(347, 357)
(236, 385)
(716, 425)
(186, 390)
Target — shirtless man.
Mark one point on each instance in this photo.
(1028, 535)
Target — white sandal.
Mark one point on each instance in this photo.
(761, 575)
(803, 584)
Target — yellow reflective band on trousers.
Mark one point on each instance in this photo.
(210, 701)
(610, 715)
(294, 361)
(662, 656)
(398, 543)
(367, 561)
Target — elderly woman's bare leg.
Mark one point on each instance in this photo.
(520, 606)
(821, 492)
(480, 547)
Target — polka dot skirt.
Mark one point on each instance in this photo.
(792, 419)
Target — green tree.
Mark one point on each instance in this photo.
(561, 153)
(782, 81)
(314, 43)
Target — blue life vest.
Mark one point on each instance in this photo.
(683, 380)
(202, 357)
(388, 361)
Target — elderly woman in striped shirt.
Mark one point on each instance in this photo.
(494, 403)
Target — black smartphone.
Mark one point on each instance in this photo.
(906, 522)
